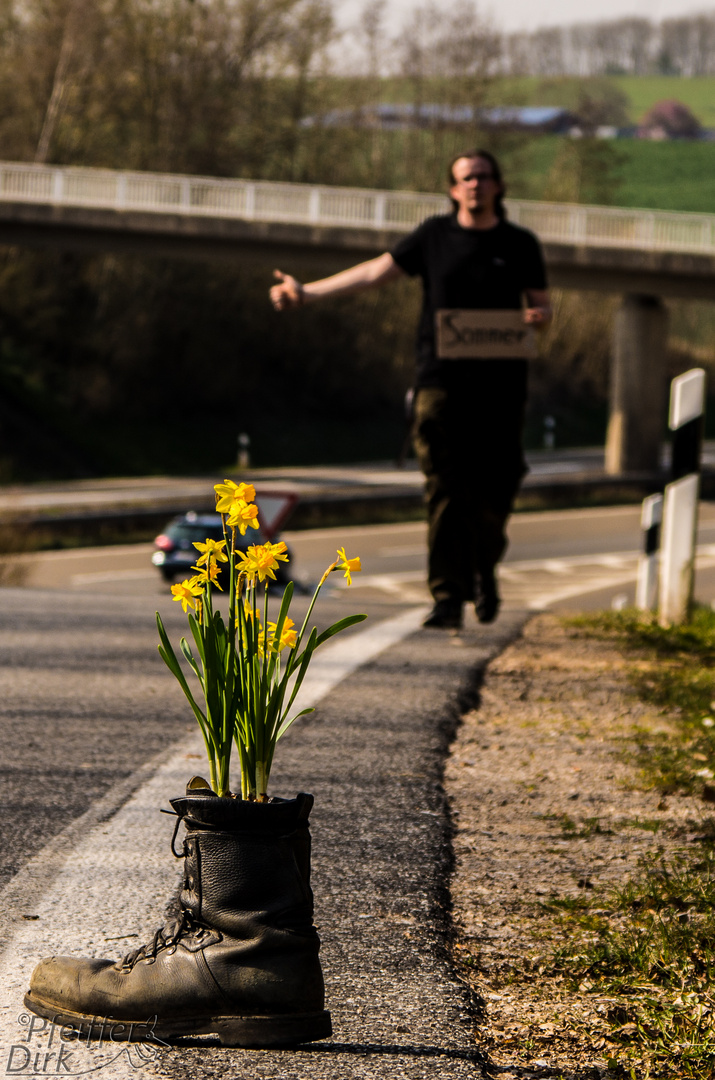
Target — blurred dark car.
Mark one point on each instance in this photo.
(175, 552)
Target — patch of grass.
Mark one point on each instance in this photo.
(673, 669)
(647, 824)
(653, 175)
(650, 946)
(577, 830)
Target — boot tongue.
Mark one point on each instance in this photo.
(198, 787)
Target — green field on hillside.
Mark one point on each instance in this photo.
(668, 176)
(653, 175)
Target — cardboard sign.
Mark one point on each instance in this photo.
(483, 335)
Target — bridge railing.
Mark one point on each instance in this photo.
(254, 200)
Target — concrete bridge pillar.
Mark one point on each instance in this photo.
(638, 390)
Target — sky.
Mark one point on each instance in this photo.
(512, 15)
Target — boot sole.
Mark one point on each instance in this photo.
(248, 1032)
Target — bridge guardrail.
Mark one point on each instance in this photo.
(258, 200)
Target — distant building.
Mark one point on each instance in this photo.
(669, 119)
(547, 119)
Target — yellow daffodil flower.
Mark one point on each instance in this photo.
(278, 551)
(186, 593)
(260, 560)
(228, 492)
(212, 549)
(350, 566)
(204, 574)
(243, 514)
(288, 636)
(250, 613)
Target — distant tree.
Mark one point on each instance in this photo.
(517, 54)
(673, 118)
(448, 55)
(547, 52)
(688, 44)
(585, 170)
(595, 101)
(632, 45)
(371, 36)
(446, 43)
(177, 85)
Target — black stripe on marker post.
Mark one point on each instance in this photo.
(687, 447)
(651, 539)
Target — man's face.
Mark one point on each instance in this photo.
(475, 187)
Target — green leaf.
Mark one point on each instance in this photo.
(197, 634)
(341, 624)
(287, 723)
(183, 684)
(189, 657)
(302, 667)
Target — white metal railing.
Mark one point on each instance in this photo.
(259, 200)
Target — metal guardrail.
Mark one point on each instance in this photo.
(258, 200)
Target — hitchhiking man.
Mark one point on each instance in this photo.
(473, 344)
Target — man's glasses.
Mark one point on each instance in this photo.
(476, 176)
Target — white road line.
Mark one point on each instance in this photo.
(615, 562)
(87, 554)
(98, 576)
(558, 566)
(382, 581)
(100, 888)
(401, 552)
(606, 558)
(555, 596)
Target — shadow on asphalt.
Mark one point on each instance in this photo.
(357, 1049)
(396, 1050)
(488, 1069)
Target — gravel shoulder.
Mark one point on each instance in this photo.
(545, 804)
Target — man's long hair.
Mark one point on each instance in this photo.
(499, 209)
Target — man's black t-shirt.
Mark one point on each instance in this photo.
(487, 269)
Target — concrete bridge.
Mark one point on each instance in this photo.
(644, 255)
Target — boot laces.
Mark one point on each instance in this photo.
(166, 936)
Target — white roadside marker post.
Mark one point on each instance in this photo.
(647, 582)
(680, 502)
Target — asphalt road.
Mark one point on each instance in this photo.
(89, 713)
(86, 698)
(562, 559)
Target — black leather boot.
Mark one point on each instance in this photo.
(241, 957)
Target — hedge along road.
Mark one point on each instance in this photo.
(97, 738)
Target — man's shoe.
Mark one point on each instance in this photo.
(487, 603)
(445, 615)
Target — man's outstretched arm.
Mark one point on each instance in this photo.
(289, 292)
(538, 311)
